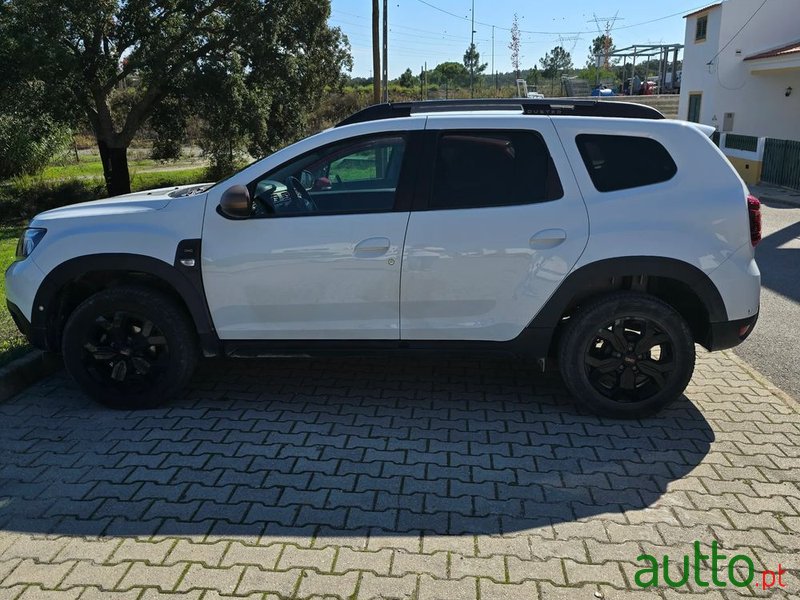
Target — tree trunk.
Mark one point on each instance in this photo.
(115, 168)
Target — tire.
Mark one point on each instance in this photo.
(130, 347)
(626, 355)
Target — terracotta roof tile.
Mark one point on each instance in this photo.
(792, 48)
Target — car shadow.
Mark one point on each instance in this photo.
(778, 264)
(339, 447)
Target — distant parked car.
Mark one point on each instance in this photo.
(603, 90)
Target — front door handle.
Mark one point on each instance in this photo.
(376, 246)
(547, 238)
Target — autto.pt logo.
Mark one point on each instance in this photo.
(707, 570)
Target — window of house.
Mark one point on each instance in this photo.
(619, 162)
(693, 113)
(492, 168)
(701, 28)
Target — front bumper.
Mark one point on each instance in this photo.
(728, 334)
(35, 335)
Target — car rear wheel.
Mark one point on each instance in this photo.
(626, 355)
(130, 347)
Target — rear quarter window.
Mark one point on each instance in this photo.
(619, 162)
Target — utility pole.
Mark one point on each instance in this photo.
(493, 71)
(385, 50)
(471, 54)
(376, 53)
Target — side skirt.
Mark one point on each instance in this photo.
(532, 343)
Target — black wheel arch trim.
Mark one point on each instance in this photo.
(592, 275)
(186, 282)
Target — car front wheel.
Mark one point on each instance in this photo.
(626, 355)
(129, 347)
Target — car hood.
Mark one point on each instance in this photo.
(138, 202)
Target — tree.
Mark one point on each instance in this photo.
(515, 45)
(450, 73)
(407, 79)
(260, 64)
(601, 46)
(472, 61)
(555, 62)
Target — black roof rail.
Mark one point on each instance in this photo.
(529, 106)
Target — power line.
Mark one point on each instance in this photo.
(465, 18)
(746, 23)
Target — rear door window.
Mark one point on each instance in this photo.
(483, 168)
(619, 162)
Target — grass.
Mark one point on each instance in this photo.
(12, 343)
(91, 167)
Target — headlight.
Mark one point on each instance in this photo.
(29, 239)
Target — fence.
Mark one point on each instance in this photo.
(781, 163)
(747, 143)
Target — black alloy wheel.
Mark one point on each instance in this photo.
(626, 355)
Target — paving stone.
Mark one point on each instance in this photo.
(275, 480)
(377, 587)
(490, 590)
(89, 574)
(378, 562)
(317, 584)
(319, 559)
(142, 575)
(223, 580)
(435, 589)
(140, 550)
(282, 583)
(30, 572)
(433, 564)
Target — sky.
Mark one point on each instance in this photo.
(439, 30)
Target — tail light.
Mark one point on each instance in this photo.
(754, 210)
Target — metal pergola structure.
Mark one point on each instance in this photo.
(667, 55)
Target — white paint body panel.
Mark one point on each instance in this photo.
(699, 216)
(147, 223)
(483, 273)
(303, 277)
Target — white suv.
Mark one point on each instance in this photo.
(596, 233)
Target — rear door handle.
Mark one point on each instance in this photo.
(376, 246)
(547, 238)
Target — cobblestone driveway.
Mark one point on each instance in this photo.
(390, 478)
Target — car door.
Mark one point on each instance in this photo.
(497, 224)
(319, 259)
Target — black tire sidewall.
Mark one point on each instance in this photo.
(166, 316)
(581, 330)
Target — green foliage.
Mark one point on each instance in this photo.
(598, 48)
(449, 73)
(472, 60)
(254, 70)
(12, 343)
(555, 62)
(27, 142)
(407, 79)
(24, 197)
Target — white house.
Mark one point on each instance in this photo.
(741, 74)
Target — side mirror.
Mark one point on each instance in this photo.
(236, 203)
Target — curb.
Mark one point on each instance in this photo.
(763, 380)
(25, 371)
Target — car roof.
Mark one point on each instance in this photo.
(527, 106)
